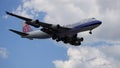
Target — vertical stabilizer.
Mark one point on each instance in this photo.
(26, 28)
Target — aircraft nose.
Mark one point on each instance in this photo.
(99, 22)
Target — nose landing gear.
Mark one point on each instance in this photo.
(90, 32)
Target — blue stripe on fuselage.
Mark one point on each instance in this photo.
(91, 23)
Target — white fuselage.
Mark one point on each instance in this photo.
(38, 34)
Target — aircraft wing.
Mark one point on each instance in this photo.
(21, 17)
(35, 23)
(43, 24)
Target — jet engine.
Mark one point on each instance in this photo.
(55, 26)
(34, 23)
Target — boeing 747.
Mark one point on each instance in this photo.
(67, 34)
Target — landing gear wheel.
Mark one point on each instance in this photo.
(79, 43)
(65, 41)
(54, 37)
(81, 39)
(90, 32)
(57, 39)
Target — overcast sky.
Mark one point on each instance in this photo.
(99, 50)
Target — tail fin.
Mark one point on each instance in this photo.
(26, 28)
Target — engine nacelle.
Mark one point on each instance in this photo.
(80, 39)
(33, 23)
(55, 26)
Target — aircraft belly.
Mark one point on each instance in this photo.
(38, 35)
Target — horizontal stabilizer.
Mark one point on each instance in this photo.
(21, 17)
(18, 32)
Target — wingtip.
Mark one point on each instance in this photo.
(8, 13)
(10, 29)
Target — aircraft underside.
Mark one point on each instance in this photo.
(72, 39)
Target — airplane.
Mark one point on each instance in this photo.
(66, 34)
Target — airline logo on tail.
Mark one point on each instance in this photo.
(26, 28)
